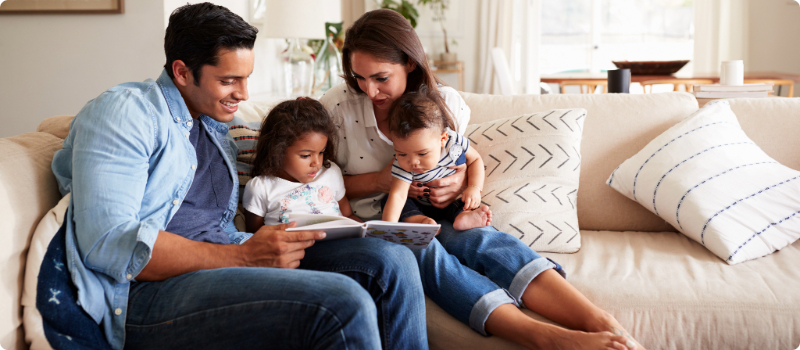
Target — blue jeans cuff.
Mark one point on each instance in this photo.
(528, 273)
(485, 306)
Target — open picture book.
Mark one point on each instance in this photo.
(414, 236)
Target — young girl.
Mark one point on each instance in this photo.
(425, 148)
(292, 171)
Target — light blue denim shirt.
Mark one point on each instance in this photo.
(128, 163)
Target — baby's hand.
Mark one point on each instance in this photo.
(471, 198)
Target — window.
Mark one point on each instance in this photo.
(587, 35)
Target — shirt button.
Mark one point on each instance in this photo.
(118, 312)
(187, 136)
(175, 202)
(194, 167)
(189, 124)
(129, 276)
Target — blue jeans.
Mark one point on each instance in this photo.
(374, 300)
(470, 273)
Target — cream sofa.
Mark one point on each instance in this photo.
(670, 292)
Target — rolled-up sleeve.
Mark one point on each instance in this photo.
(112, 146)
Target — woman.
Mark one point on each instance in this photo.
(479, 276)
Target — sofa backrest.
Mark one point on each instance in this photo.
(619, 125)
(28, 190)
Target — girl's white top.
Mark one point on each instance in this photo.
(362, 147)
(275, 198)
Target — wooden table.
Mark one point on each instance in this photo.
(453, 67)
(559, 77)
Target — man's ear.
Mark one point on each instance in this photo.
(183, 75)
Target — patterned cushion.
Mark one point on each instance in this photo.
(710, 181)
(533, 166)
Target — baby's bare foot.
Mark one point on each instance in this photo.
(469, 219)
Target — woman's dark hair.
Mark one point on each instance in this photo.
(389, 37)
(286, 123)
(196, 33)
(423, 109)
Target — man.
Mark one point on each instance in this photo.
(150, 244)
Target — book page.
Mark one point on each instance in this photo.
(336, 227)
(414, 236)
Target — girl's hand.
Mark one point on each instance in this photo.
(471, 198)
(444, 191)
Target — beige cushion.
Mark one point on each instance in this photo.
(670, 293)
(533, 165)
(616, 127)
(773, 124)
(57, 125)
(45, 231)
(27, 191)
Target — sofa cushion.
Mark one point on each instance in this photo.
(533, 164)
(616, 127)
(670, 293)
(45, 231)
(27, 192)
(708, 179)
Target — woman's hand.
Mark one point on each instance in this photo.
(443, 191)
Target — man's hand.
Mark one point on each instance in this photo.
(443, 191)
(273, 246)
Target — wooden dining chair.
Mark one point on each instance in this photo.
(776, 82)
(591, 85)
(687, 84)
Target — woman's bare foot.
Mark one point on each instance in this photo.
(584, 340)
(610, 324)
(468, 219)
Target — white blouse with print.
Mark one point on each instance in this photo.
(362, 147)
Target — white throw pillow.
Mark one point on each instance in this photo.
(710, 181)
(532, 172)
(44, 233)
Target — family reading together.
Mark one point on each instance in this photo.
(153, 258)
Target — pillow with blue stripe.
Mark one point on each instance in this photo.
(711, 182)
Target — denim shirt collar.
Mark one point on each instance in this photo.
(178, 108)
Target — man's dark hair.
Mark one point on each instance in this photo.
(196, 33)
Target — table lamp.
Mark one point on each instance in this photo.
(295, 20)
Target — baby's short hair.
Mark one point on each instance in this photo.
(422, 109)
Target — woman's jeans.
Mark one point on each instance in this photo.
(470, 273)
(373, 300)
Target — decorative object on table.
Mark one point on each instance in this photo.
(732, 91)
(62, 7)
(328, 62)
(676, 83)
(296, 20)
(710, 181)
(779, 83)
(404, 7)
(619, 81)
(533, 165)
(439, 8)
(731, 73)
(651, 67)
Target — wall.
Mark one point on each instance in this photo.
(774, 37)
(54, 64)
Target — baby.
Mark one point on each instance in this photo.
(426, 148)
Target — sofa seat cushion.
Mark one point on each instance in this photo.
(670, 293)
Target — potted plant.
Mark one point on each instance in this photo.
(439, 8)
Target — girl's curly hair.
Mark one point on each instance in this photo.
(284, 124)
(421, 109)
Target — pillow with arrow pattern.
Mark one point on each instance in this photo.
(533, 164)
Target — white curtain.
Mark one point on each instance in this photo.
(514, 26)
(720, 33)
